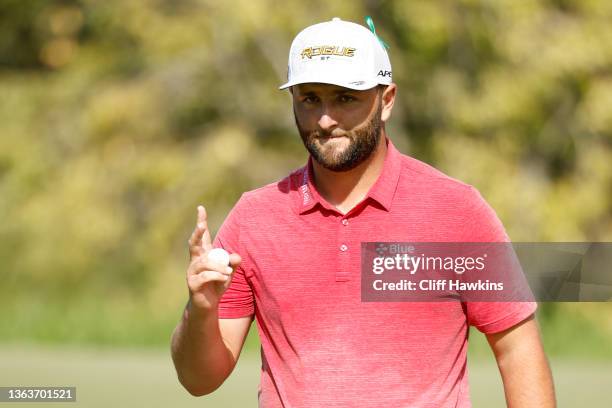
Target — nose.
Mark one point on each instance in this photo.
(326, 121)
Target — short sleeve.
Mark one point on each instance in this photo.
(481, 222)
(493, 317)
(238, 300)
(483, 225)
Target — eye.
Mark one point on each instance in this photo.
(345, 98)
(310, 99)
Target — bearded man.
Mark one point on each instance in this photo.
(295, 260)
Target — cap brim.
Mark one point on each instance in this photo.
(355, 85)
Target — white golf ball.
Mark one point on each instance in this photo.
(219, 255)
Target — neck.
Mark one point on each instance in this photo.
(346, 189)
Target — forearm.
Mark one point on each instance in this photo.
(201, 358)
(527, 380)
(523, 366)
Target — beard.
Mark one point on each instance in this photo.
(362, 143)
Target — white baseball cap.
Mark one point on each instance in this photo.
(340, 53)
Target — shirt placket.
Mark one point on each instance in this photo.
(345, 251)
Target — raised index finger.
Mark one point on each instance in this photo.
(200, 238)
(205, 241)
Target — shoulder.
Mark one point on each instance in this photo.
(274, 194)
(451, 197)
(420, 176)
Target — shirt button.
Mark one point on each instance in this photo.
(344, 221)
(343, 248)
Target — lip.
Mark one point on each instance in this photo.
(331, 137)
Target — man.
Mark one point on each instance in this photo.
(295, 260)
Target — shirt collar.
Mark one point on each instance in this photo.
(383, 190)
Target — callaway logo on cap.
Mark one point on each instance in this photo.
(340, 53)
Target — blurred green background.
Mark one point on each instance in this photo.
(118, 118)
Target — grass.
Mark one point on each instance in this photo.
(145, 377)
(118, 355)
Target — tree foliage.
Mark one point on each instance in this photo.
(119, 117)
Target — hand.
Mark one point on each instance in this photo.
(206, 280)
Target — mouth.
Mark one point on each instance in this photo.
(331, 136)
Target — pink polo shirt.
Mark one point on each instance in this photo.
(300, 276)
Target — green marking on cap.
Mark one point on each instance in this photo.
(370, 24)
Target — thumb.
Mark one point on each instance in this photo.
(235, 260)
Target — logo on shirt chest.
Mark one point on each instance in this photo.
(305, 190)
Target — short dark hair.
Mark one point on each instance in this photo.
(382, 87)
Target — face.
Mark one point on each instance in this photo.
(340, 127)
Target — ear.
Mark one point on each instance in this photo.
(388, 99)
